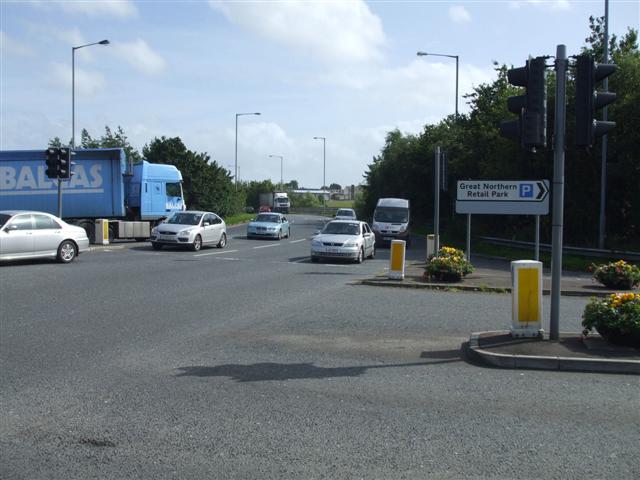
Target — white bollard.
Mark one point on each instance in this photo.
(526, 298)
(396, 259)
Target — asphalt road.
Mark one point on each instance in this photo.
(252, 362)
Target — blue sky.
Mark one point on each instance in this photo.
(344, 70)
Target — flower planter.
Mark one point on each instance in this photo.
(618, 338)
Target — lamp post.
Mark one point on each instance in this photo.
(281, 163)
(236, 156)
(324, 171)
(424, 54)
(73, 87)
(73, 110)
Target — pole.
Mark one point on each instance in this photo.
(235, 177)
(436, 202)
(281, 178)
(537, 250)
(457, 86)
(561, 64)
(468, 237)
(324, 175)
(605, 142)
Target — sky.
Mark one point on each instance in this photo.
(343, 70)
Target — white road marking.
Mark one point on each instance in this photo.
(267, 246)
(215, 253)
(296, 241)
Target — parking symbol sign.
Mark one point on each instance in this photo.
(526, 190)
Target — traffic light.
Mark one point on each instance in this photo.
(588, 100)
(52, 162)
(64, 163)
(531, 126)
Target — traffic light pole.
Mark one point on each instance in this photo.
(561, 66)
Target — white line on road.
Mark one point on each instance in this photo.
(296, 241)
(267, 246)
(215, 253)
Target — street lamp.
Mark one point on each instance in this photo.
(73, 110)
(73, 87)
(281, 163)
(324, 170)
(236, 162)
(424, 54)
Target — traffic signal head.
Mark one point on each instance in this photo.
(64, 163)
(531, 126)
(52, 155)
(588, 100)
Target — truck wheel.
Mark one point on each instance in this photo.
(89, 229)
(112, 233)
(197, 243)
(223, 241)
(66, 251)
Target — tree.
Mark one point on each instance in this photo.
(335, 186)
(206, 185)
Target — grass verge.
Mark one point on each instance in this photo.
(239, 218)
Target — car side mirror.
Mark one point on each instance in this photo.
(206, 224)
(11, 228)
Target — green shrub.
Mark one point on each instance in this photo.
(618, 275)
(449, 266)
(616, 318)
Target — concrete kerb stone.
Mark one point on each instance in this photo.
(541, 362)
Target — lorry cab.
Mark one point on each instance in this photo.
(155, 190)
(391, 220)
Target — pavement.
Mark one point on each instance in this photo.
(571, 352)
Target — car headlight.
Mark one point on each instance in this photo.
(154, 231)
(186, 231)
(316, 243)
(350, 243)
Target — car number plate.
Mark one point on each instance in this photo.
(333, 250)
(165, 237)
(387, 238)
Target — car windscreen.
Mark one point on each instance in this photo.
(339, 228)
(344, 213)
(3, 219)
(391, 215)
(184, 219)
(267, 218)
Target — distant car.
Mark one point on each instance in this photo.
(269, 225)
(346, 239)
(346, 214)
(193, 229)
(26, 234)
(264, 208)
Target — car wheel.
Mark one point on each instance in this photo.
(223, 241)
(289, 233)
(197, 243)
(373, 252)
(360, 258)
(66, 251)
(156, 246)
(280, 235)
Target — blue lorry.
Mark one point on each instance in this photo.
(104, 185)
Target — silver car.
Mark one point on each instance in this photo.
(26, 234)
(346, 239)
(193, 229)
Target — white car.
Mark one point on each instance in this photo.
(346, 239)
(346, 214)
(27, 234)
(193, 229)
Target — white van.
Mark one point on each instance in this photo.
(391, 220)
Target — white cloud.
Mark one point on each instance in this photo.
(551, 5)
(87, 82)
(140, 56)
(101, 8)
(459, 14)
(339, 32)
(9, 46)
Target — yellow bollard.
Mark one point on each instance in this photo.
(526, 298)
(101, 231)
(396, 259)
